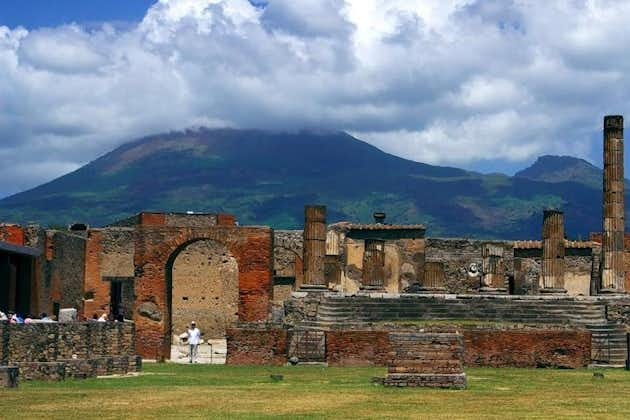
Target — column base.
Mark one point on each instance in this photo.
(493, 290)
(553, 291)
(313, 288)
(431, 290)
(373, 289)
(612, 292)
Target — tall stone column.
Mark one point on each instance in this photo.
(314, 247)
(493, 269)
(613, 272)
(553, 264)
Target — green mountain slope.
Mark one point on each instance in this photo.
(266, 178)
(563, 169)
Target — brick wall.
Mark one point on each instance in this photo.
(483, 346)
(156, 248)
(527, 348)
(109, 255)
(357, 348)
(12, 233)
(256, 346)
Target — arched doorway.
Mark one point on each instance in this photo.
(202, 286)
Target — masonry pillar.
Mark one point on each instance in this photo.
(434, 278)
(553, 252)
(314, 247)
(613, 271)
(493, 269)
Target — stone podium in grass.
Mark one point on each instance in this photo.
(421, 359)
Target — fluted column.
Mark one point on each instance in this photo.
(493, 269)
(314, 247)
(553, 263)
(434, 278)
(613, 271)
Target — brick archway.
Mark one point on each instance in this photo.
(156, 246)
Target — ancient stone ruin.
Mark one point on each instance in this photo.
(333, 293)
(56, 351)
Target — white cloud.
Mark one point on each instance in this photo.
(449, 82)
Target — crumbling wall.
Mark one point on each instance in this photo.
(458, 257)
(54, 351)
(287, 262)
(65, 269)
(256, 346)
(495, 347)
(109, 258)
(578, 274)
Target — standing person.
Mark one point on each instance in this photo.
(194, 335)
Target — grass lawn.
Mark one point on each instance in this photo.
(202, 391)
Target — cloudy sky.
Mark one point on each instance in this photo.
(487, 85)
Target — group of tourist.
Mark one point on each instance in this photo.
(16, 318)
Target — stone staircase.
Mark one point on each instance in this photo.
(608, 345)
(608, 340)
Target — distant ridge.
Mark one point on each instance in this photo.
(266, 177)
(563, 169)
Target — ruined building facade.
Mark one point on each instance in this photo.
(273, 292)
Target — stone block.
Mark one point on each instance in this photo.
(9, 376)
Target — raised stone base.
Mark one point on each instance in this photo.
(42, 371)
(553, 291)
(493, 291)
(608, 292)
(313, 288)
(9, 376)
(454, 381)
(79, 368)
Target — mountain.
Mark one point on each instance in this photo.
(266, 178)
(563, 169)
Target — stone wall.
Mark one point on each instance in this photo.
(457, 256)
(53, 351)
(403, 263)
(527, 347)
(483, 346)
(109, 257)
(205, 289)
(65, 270)
(288, 251)
(256, 346)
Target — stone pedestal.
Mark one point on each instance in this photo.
(9, 376)
(426, 360)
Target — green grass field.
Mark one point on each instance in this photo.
(184, 391)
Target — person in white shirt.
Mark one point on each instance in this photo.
(3, 316)
(102, 318)
(194, 335)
